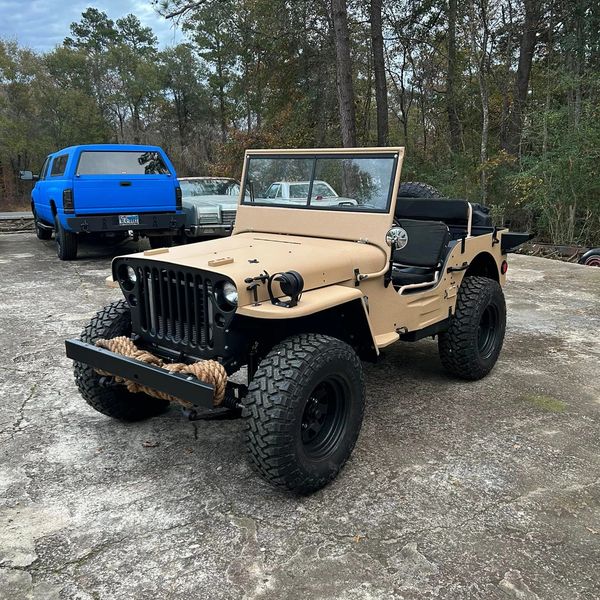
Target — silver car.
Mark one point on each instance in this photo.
(210, 205)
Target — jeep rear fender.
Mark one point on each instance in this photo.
(334, 310)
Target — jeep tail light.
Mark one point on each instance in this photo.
(178, 203)
(68, 204)
(504, 267)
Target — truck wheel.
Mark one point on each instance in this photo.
(42, 233)
(160, 241)
(304, 411)
(113, 400)
(470, 347)
(66, 241)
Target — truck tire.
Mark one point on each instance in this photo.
(470, 347)
(66, 241)
(113, 400)
(42, 233)
(303, 411)
(416, 189)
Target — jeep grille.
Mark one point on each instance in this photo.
(176, 307)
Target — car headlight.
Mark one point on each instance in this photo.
(230, 293)
(127, 277)
(131, 276)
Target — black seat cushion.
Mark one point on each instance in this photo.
(451, 211)
(408, 275)
(427, 241)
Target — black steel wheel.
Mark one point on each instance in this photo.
(99, 392)
(472, 344)
(304, 411)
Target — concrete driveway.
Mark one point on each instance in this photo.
(455, 490)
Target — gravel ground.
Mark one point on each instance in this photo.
(455, 490)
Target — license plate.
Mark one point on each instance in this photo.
(129, 219)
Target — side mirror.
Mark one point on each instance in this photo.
(27, 176)
(396, 238)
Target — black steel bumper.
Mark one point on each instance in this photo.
(148, 222)
(185, 387)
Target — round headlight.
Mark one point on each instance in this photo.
(131, 276)
(127, 277)
(230, 293)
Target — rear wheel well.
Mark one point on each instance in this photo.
(483, 265)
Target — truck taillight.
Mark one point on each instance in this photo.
(68, 204)
(178, 203)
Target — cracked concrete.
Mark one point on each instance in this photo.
(455, 490)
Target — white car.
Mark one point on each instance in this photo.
(296, 192)
(210, 205)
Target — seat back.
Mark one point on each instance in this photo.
(427, 241)
(451, 212)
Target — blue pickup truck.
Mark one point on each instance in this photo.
(106, 189)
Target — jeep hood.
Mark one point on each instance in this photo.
(321, 262)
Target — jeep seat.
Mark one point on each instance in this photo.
(422, 256)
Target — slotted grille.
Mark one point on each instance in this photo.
(175, 306)
(228, 217)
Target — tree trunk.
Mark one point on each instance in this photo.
(512, 141)
(379, 71)
(451, 102)
(344, 73)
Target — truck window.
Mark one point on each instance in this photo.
(59, 165)
(44, 169)
(116, 162)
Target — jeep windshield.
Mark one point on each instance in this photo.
(344, 182)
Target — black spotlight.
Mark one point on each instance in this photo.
(291, 284)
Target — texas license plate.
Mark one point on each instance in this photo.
(129, 219)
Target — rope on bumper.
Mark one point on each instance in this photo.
(208, 371)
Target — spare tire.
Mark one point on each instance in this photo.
(416, 189)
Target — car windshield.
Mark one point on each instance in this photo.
(334, 182)
(210, 187)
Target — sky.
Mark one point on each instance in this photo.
(43, 24)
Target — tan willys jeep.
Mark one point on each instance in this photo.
(327, 265)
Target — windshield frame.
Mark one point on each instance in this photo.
(247, 199)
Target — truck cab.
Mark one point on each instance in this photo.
(106, 189)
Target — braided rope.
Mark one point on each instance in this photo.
(208, 371)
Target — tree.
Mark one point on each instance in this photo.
(379, 70)
(343, 63)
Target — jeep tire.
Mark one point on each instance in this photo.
(470, 347)
(112, 399)
(66, 241)
(303, 411)
(416, 189)
(42, 233)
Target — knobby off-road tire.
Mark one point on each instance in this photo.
(42, 233)
(470, 347)
(416, 189)
(304, 411)
(113, 400)
(66, 241)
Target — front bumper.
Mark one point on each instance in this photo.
(188, 388)
(148, 222)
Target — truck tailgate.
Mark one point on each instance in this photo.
(109, 194)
